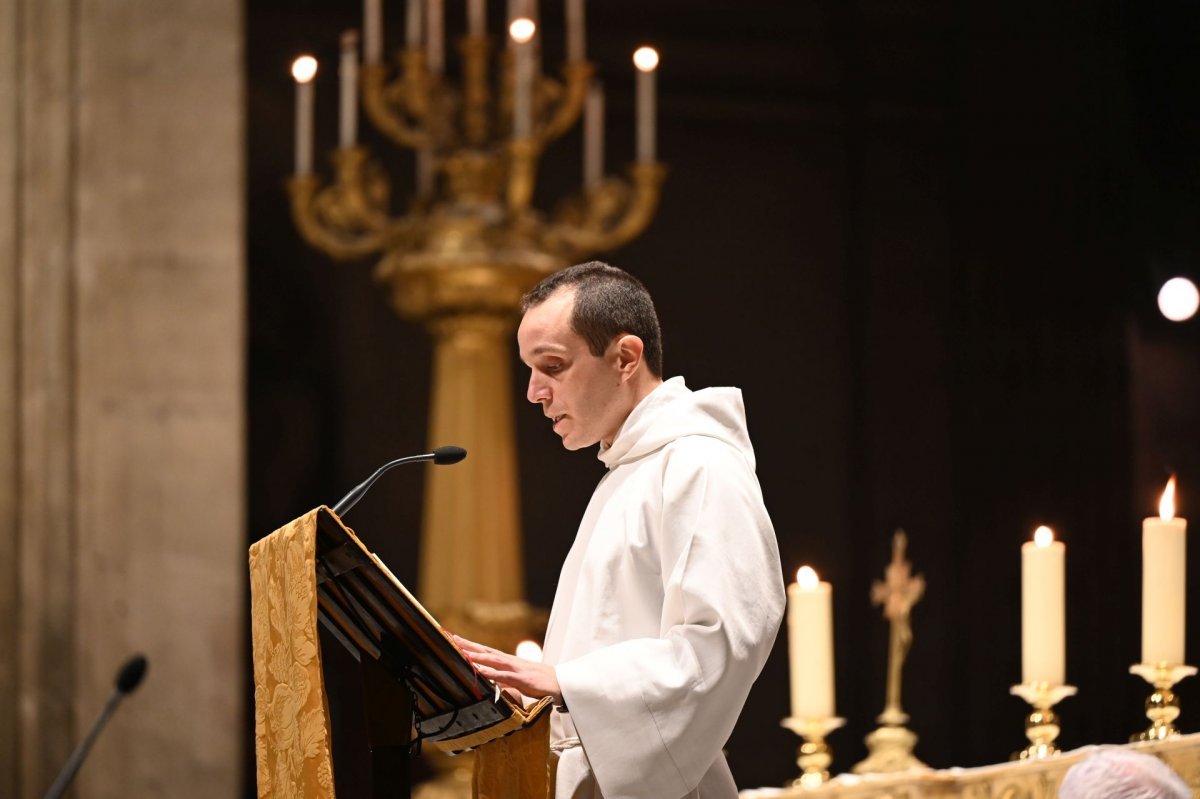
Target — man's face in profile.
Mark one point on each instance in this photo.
(578, 391)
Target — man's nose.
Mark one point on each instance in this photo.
(536, 392)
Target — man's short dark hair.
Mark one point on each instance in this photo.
(609, 302)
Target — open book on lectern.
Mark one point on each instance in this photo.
(373, 615)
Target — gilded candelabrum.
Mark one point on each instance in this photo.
(467, 243)
(457, 259)
(1041, 725)
(814, 755)
(1162, 706)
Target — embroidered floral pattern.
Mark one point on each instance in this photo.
(291, 726)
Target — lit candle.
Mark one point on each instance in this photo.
(348, 105)
(412, 24)
(304, 69)
(476, 17)
(810, 645)
(1043, 609)
(1164, 583)
(646, 61)
(593, 137)
(576, 38)
(521, 32)
(435, 40)
(372, 31)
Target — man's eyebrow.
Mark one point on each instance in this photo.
(539, 349)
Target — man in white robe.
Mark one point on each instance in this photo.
(672, 594)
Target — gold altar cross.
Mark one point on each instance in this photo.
(897, 593)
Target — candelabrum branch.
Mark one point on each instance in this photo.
(476, 52)
(609, 215)
(522, 172)
(389, 106)
(571, 95)
(347, 219)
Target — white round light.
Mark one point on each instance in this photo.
(304, 68)
(529, 650)
(522, 29)
(645, 59)
(1178, 299)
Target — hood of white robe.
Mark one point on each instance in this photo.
(672, 411)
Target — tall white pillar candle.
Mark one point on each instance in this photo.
(476, 17)
(810, 645)
(576, 35)
(1164, 583)
(1043, 609)
(304, 69)
(348, 98)
(372, 31)
(593, 137)
(413, 23)
(435, 41)
(646, 61)
(521, 32)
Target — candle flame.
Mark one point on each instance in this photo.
(807, 578)
(304, 68)
(645, 59)
(1166, 505)
(529, 650)
(1043, 536)
(522, 29)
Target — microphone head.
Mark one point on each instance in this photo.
(131, 674)
(444, 456)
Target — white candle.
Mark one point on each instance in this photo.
(435, 39)
(476, 17)
(348, 99)
(304, 69)
(1164, 583)
(521, 31)
(810, 645)
(372, 31)
(576, 37)
(646, 61)
(593, 137)
(1043, 609)
(412, 24)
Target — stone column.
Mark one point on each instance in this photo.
(121, 421)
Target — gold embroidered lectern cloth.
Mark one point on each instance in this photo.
(291, 717)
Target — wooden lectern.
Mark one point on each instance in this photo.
(417, 683)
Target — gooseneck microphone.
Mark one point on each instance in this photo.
(128, 678)
(442, 456)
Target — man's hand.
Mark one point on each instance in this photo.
(531, 679)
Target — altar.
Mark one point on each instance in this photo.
(1020, 779)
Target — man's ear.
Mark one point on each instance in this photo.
(629, 350)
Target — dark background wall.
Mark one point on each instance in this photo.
(924, 238)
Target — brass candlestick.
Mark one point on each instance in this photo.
(1162, 707)
(1041, 725)
(814, 755)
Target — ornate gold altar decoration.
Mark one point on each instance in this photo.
(891, 745)
(457, 259)
(291, 723)
(1021, 779)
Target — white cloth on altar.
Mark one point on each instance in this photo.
(667, 605)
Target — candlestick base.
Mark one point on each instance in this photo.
(1041, 725)
(814, 755)
(1162, 706)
